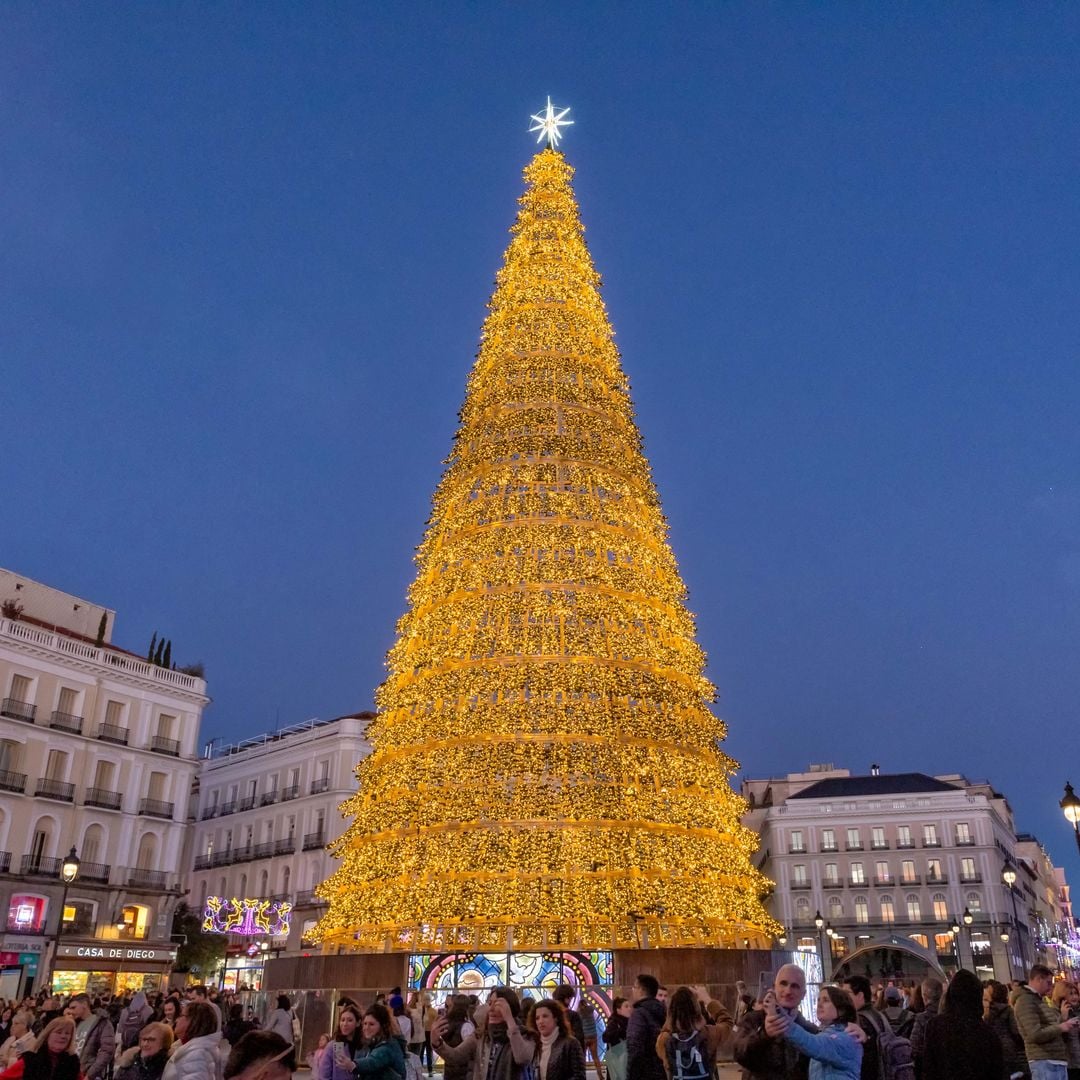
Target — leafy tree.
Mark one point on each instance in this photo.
(201, 953)
(153, 645)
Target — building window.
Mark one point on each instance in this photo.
(907, 871)
(858, 874)
(943, 943)
(80, 917)
(862, 910)
(836, 908)
(930, 836)
(963, 833)
(854, 841)
(20, 689)
(798, 874)
(888, 913)
(797, 840)
(933, 870)
(914, 912)
(68, 702)
(920, 939)
(941, 908)
(26, 914)
(114, 714)
(802, 909)
(974, 902)
(903, 836)
(967, 870)
(877, 838)
(828, 839)
(135, 920)
(832, 877)
(881, 871)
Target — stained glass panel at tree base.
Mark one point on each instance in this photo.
(535, 974)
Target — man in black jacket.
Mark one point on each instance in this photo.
(646, 1019)
(760, 1047)
(564, 995)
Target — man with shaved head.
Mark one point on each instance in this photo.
(760, 1046)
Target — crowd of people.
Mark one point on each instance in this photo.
(963, 1030)
(195, 1036)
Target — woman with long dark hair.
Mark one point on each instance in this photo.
(687, 1045)
(385, 1057)
(998, 1013)
(561, 1056)
(960, 1045)
(833, 1053)
(53, 1056)
(337, 1060)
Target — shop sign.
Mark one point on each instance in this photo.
(11, 943)
(117, 952)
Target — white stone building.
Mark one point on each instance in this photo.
(888, 860)
(266, 809)
(98, 751)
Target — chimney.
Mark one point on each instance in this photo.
(875, 769)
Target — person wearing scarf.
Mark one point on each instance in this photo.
(499, 1048)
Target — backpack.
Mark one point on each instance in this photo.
(414, 1069)
(894, 1051)
(688, 1056)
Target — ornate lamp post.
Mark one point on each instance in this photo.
(69, 871)
(819, 922)
(968, 919)
(954, 929)
(1070, 807)
(1008, 875)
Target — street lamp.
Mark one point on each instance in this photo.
(1008, 875)
(782, 937)
(69, 871)
(1070, 807)
(819, 922)
(954, 929)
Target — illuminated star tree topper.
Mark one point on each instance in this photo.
(548, 124)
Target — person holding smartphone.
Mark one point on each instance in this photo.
(336, 1062)
(500, 1044)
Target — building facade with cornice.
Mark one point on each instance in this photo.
(891, 863)
(98, 752)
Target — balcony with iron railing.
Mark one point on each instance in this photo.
(161, 745)
(209, 812)
(268, 798)
(98, 873)
(5, 862)
(937, 879)
(136, 877)
(155, 808)
(971, 879)
(969, 842)
(314, 840)
(12, 781)
(931, 843)
(102, 798)
(228, 808)
(40, 866)
(320, 785)
(800, 886)
(113, 733)
(18, 710)
(290, 792)
(905, 845)
(286, 846)
(54, 789)
(247, 803)
(833, 883)
(62, 721)
(884, 881)
(204, 862)
(858, 882)
(307, 898)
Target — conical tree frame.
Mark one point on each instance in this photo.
(546, 770)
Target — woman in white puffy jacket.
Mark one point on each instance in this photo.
(196, 1054)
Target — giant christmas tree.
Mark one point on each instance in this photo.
(546, 770)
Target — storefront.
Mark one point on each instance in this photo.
(95, 967)
(244, 967)
(20, 961)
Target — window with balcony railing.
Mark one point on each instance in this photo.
(62, 721)
(160, 745)
(54, 789)
(113, 733)
(155, 808)
(320, 785)
(102, 798)
(18, 710)
(12, 781)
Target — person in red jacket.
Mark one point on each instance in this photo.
(53, 1056)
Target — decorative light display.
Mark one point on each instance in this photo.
(246, 917)
(546, 771)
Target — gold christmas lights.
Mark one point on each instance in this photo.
(546, 768)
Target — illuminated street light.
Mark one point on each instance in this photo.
(1070, 807)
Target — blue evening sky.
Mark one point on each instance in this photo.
(245, 251)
